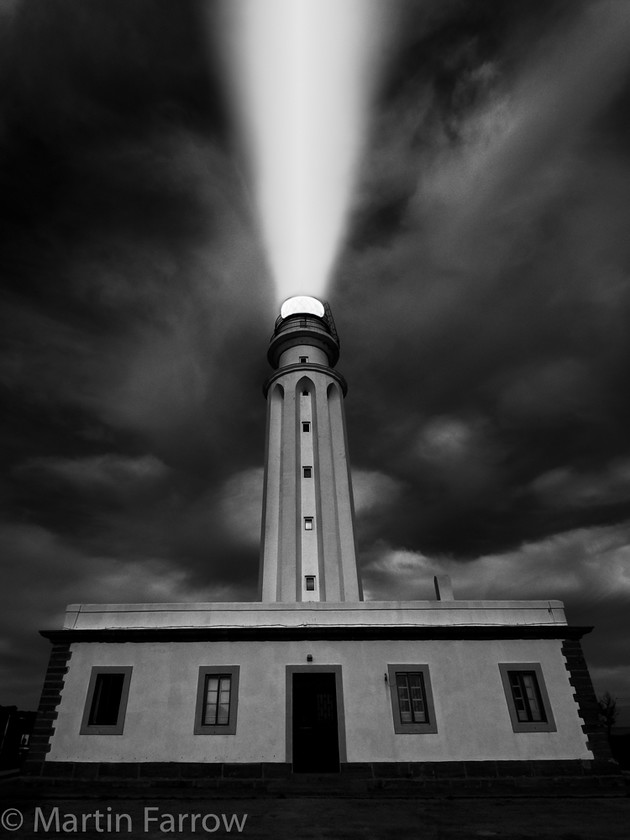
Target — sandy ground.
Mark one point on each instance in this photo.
(315, 818)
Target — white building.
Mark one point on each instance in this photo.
(312, 678)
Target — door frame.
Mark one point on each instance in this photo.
(341, 718)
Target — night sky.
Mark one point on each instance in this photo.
(482, 299)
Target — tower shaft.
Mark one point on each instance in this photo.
(308, 541)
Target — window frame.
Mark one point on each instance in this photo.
(307, 472)
(229, 728)
(309, 583)
(303, 360)
(117, 728)
(400, 728)
(549, 724)
(306, 427)
(309, 523)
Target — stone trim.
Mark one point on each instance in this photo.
(44, 728)
(314, 632)
(586, 700)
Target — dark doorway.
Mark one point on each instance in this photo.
(315, 730)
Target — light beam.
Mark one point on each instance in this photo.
(301, 73)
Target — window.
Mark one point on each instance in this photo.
(310, 583)
(217, 700)
(216, 705)
(305, 393)
(307, 472)
(526, 696)
(308, 523)
(412, 704)
(106, 701)
(412, 699)
(527, 699)
(303, 360)
(306, 427)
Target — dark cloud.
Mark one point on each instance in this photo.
(482, 301)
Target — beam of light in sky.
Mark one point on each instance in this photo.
(301, 72)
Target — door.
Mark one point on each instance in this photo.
(315, 730)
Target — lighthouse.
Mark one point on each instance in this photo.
(311, 678)
(308, 547)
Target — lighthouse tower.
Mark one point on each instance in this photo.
(308, 543)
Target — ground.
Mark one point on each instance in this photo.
(316, 818)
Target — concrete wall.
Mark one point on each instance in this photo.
(473, 721)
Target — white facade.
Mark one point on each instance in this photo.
(473, 722)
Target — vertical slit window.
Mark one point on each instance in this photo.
(310, 583)
(306, 427)
(308, 523)
(307, 472)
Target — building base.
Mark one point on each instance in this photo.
(407, 779)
